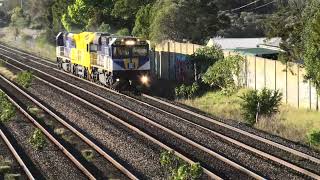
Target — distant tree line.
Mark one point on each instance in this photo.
(182, 20)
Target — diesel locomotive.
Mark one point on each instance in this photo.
(118, 62)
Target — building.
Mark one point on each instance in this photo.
(259, 47)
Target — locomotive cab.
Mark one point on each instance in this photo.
(115, 61)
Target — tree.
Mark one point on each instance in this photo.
(312, 50)
(104, 27)
(288, 23)
(126, 10)
(143, 22)
(123, 32)
(194, 20)
(244, 25)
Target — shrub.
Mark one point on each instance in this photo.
(38, 140)
(178, 169)
(204, 58)
(314, 137)
(104, 27)
(184, 91)
(24, 78)
(7, 110)
(222, 73)
(264, 103)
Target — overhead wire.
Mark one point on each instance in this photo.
(262, 6)
(241, 7)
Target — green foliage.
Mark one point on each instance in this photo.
(179, 169)
(18, 18)
(143, 22)
(312, 50)
(314, 137)
(104, 27)
(185, 91)
(265, 103)
(244, 24)
(180, 20)
(87, 154)
(204, 58)
(123, 32)
(7, 110)
(24, 78)
(38, 140)
(222, 74)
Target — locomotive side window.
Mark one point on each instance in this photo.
(93, 48)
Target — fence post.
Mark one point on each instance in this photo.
(265, 72)
(298, 86)
(275, 75)
(286, 82)
(255, 73)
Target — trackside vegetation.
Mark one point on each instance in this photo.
(38, 140)
(178, 169)
(24, 78)
(7, 109)
(260, 103)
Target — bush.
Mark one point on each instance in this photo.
(24, 78)
(178, 169)
(7, 110)
(104, 27)
(38, 140)
(185, 91)
(264, 103)
(222, 73)
(123, 32)
(314, 137)
(204, 58)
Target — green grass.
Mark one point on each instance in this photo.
(290, 123)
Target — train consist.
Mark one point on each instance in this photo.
(115, 61)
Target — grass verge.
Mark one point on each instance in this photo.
(290, 123)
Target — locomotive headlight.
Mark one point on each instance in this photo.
(145, 79)
(130, 42)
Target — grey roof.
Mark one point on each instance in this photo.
(234, 43)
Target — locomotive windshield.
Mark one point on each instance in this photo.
(121, 52)
(139, 51)
(129, 51)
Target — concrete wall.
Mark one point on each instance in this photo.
(287, 78)
(170, 64)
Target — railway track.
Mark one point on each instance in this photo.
(85, 171)
(16, 155)
(207, 172)
(188, 118)
(66, 125)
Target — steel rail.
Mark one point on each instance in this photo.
(16, 156)
(50, 137)
(76, 132)
(140, 132)
(236, 142)
(192, 143)
(256, 137)
(264, 140)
